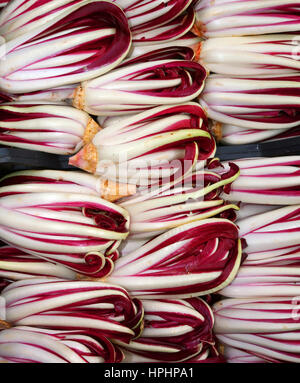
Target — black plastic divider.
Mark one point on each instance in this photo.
(286, 147)
(13, 159)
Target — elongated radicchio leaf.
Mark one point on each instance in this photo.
(208, 354)
(263, 328)
(173, 30)
(16, 265)
(272, 239)
(236, 135)
(55, 95)
(141, 86)
(273, 230)
(270, 181)
(59, 94)
(58, 129)
(64, 181)
(175, 330)
(250, 209)
(247, 17)
(287, 133)
(22, 16)
(150, 146)
(24, 344)
(188, 40)
(191, 260)
(287, 256)
(58, 304)
(195, 197)
(158, 53)
(82, 41)
(251, 55)
(265, 281)
(253, 103)
(79, 231)
(145, 14)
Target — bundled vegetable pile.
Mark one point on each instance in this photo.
(119, 256)
(253, 49)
